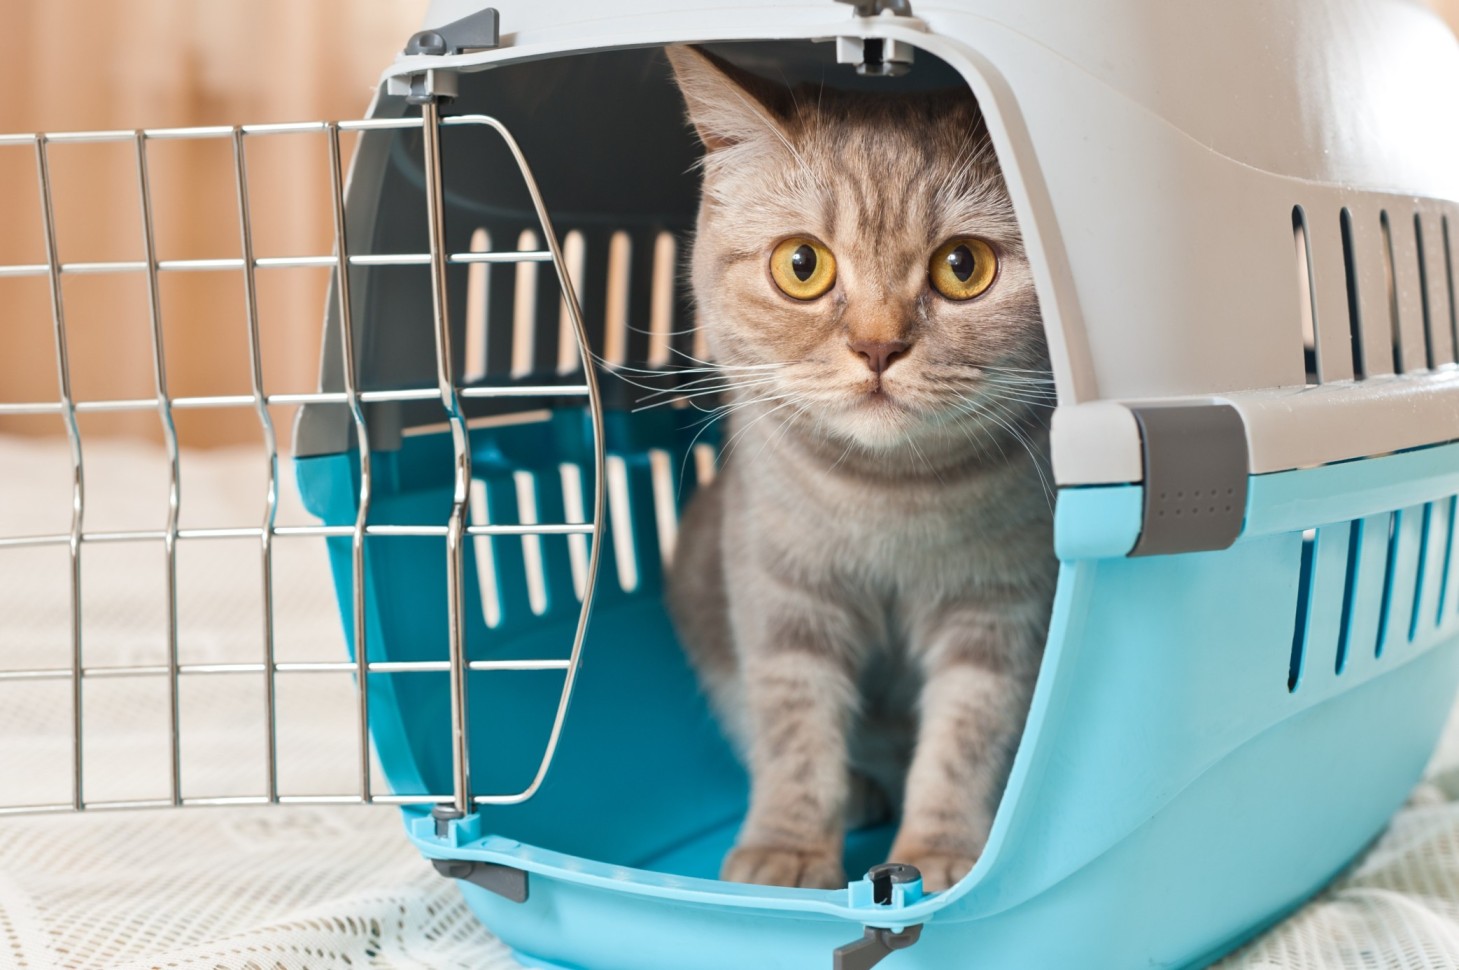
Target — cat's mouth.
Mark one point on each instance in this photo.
(877, 389)
(876, 394)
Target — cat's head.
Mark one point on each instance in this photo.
(857, 260)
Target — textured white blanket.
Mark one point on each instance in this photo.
(295, 887)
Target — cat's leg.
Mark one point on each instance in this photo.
(699, 607)
(978, 668)
(799, 696)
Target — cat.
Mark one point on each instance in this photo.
(864, 589)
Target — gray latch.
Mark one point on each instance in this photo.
(876, 56)
(874, 946)
(874, 8)
(479, 31)
(1196, 470)
(503, 880)
(475, 32)
(877, 943)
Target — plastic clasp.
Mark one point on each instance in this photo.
(892, 885)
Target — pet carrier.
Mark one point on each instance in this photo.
(1238, 216)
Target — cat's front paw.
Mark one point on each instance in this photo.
(939, 871)
(775, 866)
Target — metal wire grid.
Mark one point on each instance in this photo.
(447, 391)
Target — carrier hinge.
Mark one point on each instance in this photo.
(506, 881)
(1196, 468)
(892, 885)
(479, 31)
(876, 56)
(875, 8)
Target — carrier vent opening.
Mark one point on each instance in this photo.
(1350, 278)
(1451, 524)
(1390, 573)
(1304, 609)
(478, 279)
(1390, 280)
(1349, 590)
(1422, 566)
(1430, 353)
(1307, 297)
(1449, 286)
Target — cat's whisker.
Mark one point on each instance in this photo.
(972, 411)
(710, 419)
(725, 381)
(710, 363)
(704, 365)
(918, 452)
(728, 448)
(1008, 422)
(674, 396)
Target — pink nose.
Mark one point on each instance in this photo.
(879, 354)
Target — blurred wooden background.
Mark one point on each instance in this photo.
(98, 64)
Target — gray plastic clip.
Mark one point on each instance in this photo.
(876, 56)
(479, 31)
(1196, 470)
(873, 8)
(475, 32)
(882, 878)
(444, 815)
(875, 945)
(505, 881)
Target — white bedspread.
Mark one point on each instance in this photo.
(295, 887)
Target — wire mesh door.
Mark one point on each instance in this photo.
(79, 671)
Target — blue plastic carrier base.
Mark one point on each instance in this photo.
(1214, 735)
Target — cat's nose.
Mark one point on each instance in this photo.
(879, 354)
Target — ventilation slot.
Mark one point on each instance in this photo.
(531, 545)
(1430, 355)
(1304, 609)
(524, 308)
(575, 510)
(486, 579)
(1349, 599)
(620, 518)
(1389, 570)
(478, 279)
(1451, 522)
(666, 512)
(574, 253)
(704, 467)
(1350, 274)
(1449, 288)
(615, 316)
(1421, 567)
(661, 301)
(1390, 279)
(1307, 296)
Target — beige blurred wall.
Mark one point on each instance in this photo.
(97, 64)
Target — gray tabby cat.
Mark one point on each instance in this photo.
(865, 588)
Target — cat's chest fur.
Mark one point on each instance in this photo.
(903, 544)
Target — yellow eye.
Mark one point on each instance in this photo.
(802, 268)
(962, 268)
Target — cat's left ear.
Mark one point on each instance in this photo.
(728, 106)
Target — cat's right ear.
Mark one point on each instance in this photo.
(728, 106)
